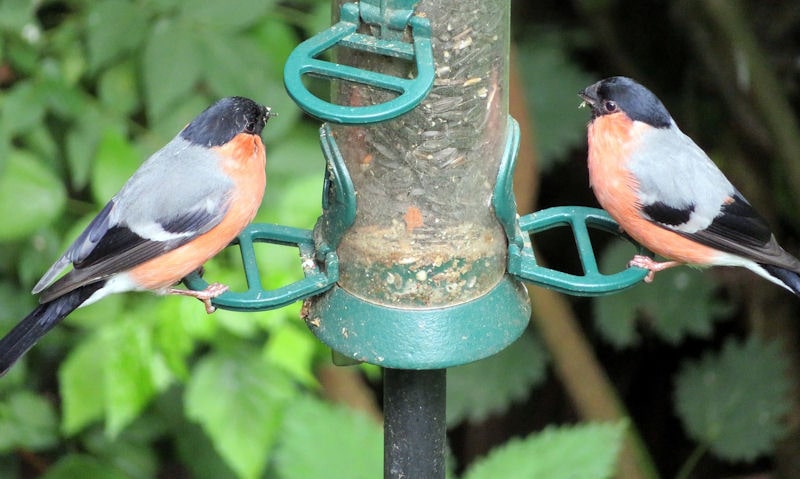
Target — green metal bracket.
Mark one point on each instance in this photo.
(338, 197)
(522, 263)
(316, 280)
(503, 200)
(393, 17)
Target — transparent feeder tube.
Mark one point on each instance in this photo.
(425, 233)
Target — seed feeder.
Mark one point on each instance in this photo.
(418, 261)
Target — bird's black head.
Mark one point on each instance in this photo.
(621, 94)
(225, 119)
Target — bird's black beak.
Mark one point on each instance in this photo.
(589, 95)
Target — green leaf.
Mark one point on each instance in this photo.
(679, 303)
(27, 421)
(30, 196)
(5, 147)
(75, 466)
(174, 342)
(504, 378)
(81, 146)
(194, 448)
(131, 453)
(735, 401)
(234, 322)
(81, 377)
(237, 66)
(230, 15)
(72, 64)
(239, 399)
(66, 101)
(115, 162)
(163, 7)
(318, 20)
(198, 453)
(585, 452)
(552, 81)
(25, 56)
(346, 444)
(279, 39)
(295, 172)
(117, 88)
(21, 108)
(39, 141)
(109, 38)
(111, 374)
(190, 316)
(15, 14)
(129, 376)
(172, 64)
(293, 349)
(165, 127)
(15, 306)
(37, 255)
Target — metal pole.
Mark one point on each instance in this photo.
(414, 423)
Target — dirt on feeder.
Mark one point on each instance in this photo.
(387, 265)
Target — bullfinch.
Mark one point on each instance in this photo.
(183, 205)
(667, 194)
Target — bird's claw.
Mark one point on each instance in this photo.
(212, 291)
(653, 266)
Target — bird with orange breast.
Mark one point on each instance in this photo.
(668, 195)
(183, 205)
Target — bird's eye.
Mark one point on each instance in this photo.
(610, 106)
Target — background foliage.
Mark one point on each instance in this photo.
(138, 386)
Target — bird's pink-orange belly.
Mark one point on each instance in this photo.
(616, 191)
(244, 164)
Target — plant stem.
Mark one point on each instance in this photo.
(691, 461)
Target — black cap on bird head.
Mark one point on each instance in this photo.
(219, 123)
(621, 94)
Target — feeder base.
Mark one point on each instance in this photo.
(431, 338)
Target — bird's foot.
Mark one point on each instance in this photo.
(653, 266)
(212, 291)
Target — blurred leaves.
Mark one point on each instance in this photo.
(239, 399)
(21, 108)
(586, 451)
(490, 386)
(171, 64)
(112, 375)
(108, 38)
(85, 467)
(115, 162)
(27, 421)
(552, 83)
(87, 91)
(313, 444)
(734, 401)
(680, 302)
(30, 196)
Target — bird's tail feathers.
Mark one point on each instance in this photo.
(36, 324)
(785, 277)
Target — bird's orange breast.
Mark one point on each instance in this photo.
(612, 139)
(243, 159)
(610, 142)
